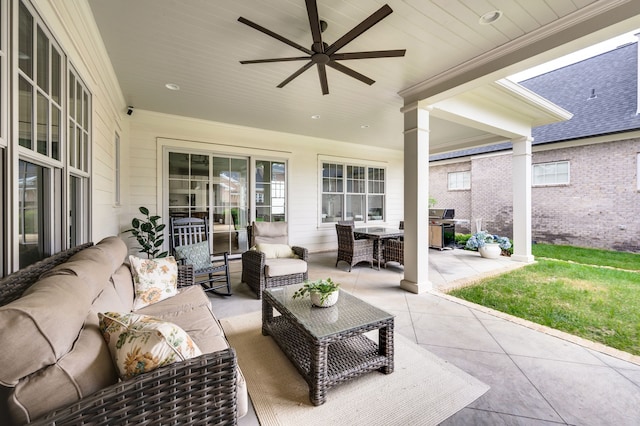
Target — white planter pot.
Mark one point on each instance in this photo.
(331, 299)
(490, 251)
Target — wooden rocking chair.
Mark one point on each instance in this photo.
(190, 245)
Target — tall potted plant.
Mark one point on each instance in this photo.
(148, 232)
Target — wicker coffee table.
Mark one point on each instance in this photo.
(327, 345)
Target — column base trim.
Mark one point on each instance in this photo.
(522, 258)
(416, 288)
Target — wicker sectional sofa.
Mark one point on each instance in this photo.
(56, 367)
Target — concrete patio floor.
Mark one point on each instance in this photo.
(537, 376)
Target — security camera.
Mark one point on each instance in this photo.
(129, 110)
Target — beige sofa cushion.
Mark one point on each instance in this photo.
(86, 369)
(280, 267)
(270, 233)
(31, 326)
(191, 310)
(275, 251)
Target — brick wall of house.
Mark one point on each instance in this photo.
(459, 200)
(601, 198)
(492, 194)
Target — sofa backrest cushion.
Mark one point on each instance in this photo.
(270, 232)
(86, 369)
(43, 323)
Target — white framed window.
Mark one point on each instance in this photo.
(457, 181)
(352, 192)
(553, 173)
(51, 137)
(270, 190)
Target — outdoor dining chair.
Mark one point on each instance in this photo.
(351, 250)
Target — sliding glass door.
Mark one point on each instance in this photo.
(215, 188)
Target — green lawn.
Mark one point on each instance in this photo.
(599, 304)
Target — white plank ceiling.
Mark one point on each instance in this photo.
(197, 44)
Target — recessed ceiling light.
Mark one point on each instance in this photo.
(364, 126)
(315, 117)
(490, 17)
(172, 86)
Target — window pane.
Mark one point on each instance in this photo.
(376, 207)
(355, 207)
(31, 213)
(78, 144)
(25, 113)
(55, 132)
(71, 144)
(43, 124)
(56, 75)
(72, 96)
(25, 48)
(43, 61)
(331, 208)
(178, 165)
(200, 167)
(85, 114)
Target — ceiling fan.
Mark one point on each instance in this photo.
(323, 55)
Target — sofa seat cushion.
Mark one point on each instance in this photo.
(140, 343)
(284, 266)
(153, 280)
(191, 310)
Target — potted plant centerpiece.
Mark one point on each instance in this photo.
(488, 245)
(323, 292)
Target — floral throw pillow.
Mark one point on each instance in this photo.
(140, 343)
(153, 280)
(195, 254)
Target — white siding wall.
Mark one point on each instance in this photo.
(150, 131)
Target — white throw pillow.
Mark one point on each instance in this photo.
(153, 280)
(141, 343)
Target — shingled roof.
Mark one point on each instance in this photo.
(601, 93)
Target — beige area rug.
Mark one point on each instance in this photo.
(423, 389)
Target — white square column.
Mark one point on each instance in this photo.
(522, 200)
(416, 200)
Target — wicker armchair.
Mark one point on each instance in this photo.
(394, 251)
(260, 272)
(351, 250)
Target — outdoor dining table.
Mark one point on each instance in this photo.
(379, 234)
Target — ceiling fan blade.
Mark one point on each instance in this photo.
(274, 35)
(295, 74)
(314, 22)
(363, 26)
(324, 84)
(368, 55)
(261, 61)
(351, 73)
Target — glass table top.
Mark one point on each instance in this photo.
(349, 311)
